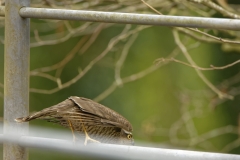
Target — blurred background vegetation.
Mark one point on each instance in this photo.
(133, 70)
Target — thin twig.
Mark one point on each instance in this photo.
(44, 75)
(214, 133)
(65, 60)
(151, 7)
(93, 37)
(231, 146)
(57, 40)
(190, 60)
(214, 37)
(160, 60)
(122, 59)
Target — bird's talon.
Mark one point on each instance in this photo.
(90, 139)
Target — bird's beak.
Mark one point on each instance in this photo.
(132, 142)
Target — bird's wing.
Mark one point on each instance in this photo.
(106, 115)
(115, 124)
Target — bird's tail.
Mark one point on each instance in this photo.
(38, 115)
(24, 119)
(47, 112)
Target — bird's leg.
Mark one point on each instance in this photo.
(71, 127)
(87, 136)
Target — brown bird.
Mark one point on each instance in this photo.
(84, 115)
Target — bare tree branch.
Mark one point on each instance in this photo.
(131, 78)
(186, 54)
(122, 58)
(217, 8)
(125, 33)
(160, 60)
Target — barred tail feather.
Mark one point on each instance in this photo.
(22, 119)
(50, 113)
(28, 118)
(37, 115)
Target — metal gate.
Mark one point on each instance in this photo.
(16, 80)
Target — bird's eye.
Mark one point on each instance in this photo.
(129, 136)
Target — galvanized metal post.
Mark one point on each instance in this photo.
(16, 76)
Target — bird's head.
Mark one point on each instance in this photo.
(126, 137)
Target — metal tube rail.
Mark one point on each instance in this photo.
(129, 18)
(109, 151)
(16, 76)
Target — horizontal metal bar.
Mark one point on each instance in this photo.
(109, 151)
(128, 18)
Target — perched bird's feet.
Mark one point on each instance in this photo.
(87, 138)
(74, 139)
(71, 127)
